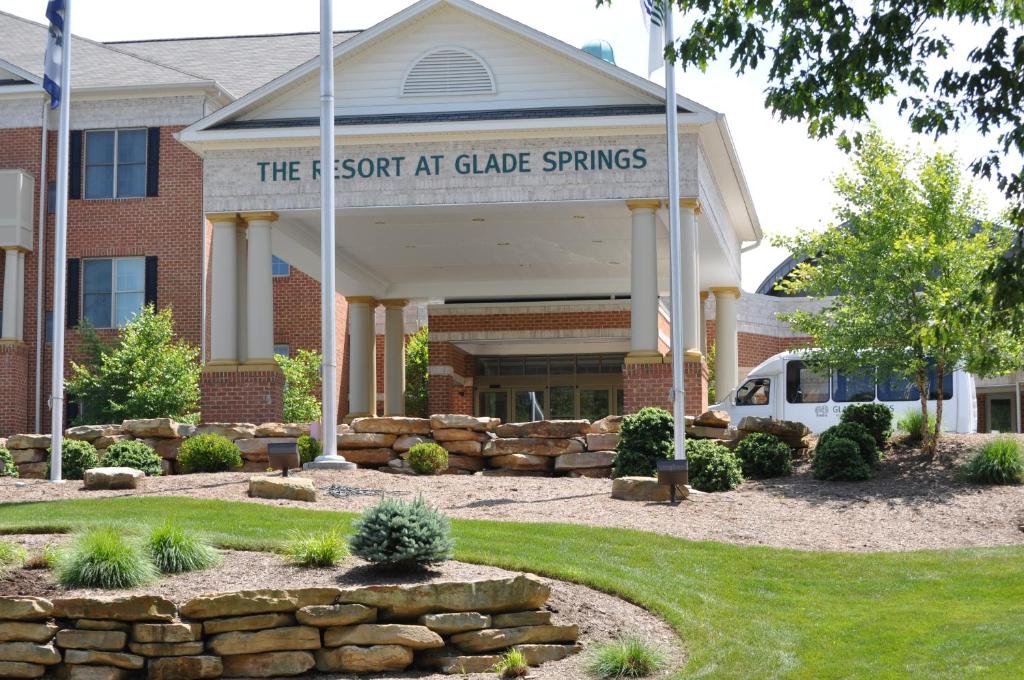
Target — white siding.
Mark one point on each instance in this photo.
(526, 75)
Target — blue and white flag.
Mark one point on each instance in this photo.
(654, 19)
(54, 54)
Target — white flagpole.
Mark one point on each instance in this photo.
(675, 247)
(41, 270)
(60, 251)
(329, 417)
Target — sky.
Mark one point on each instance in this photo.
(789, 174)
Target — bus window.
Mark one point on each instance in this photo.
(894, 387)
(947, 385)
(754, 392)
(805, 386)
(857, 386)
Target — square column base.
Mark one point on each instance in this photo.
(14, 376)
(651, 384)
(240, 393)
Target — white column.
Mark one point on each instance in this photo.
(371, 342)
(703, 324)
(224, 289)
(644, 282)
(726, 343)
(14, 294)
(20, 330)
(241, 293)
(360, 356)
(394, 357)
(689, 209)
(259, 288)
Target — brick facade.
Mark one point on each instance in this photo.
(651, 385)
(240, 395)
(14, 416)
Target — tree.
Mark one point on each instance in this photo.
(301, 386)
(828, 60)
(899, 271)
(145, 373)
(417, 358)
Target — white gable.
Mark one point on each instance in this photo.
(526, 74)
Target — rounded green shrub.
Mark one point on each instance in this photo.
(175, 550)
(859, 435)
(427, 458)
(76, 457)
(400, 535)
(133, 454)
(7, 466)
(712, 466)
(104, 558)
(997, 462)
(308, 448)
(876, 419)
(208, 453)
(645, 437)
(839, 459)
(764, 455)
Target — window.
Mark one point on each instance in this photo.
(115, 163)
(281, 349)
(279, 267)
(113, 290)
(805, 386)
(859, 386)
(448, 71)
(756, 392)
(899, 388)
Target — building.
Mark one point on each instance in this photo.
(494, 183)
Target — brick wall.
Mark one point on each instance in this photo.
(447, 393)
(15, 414)
(651, 384)
(560, 320)
(242, 396)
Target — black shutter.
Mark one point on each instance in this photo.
(75, 171)
(150, 294)
(72, 286)
(153, 162)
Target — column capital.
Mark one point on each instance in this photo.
(690, 355)
(704, 295)
(693, 203)
(726, 290)
(262, 216)
(231, 217)
(16, 249)
(361, 300)
(643, 204)
(394, 302)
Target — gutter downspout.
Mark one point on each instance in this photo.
(41, 273)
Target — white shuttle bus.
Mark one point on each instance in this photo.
(785, 388)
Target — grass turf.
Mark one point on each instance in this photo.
(742, 612)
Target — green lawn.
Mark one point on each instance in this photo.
(742, 612)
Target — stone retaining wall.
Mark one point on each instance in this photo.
(451, 627)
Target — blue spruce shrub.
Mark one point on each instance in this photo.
(399, 535)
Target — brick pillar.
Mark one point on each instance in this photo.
(242, 394)
(695, 379)
(648, 384)
(14, 376)
(439, 394)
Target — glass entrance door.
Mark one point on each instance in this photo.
(1000, 415)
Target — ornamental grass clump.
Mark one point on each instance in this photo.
(398, 535)
(512, 665)
(12, 556)
(764, 455)
(133, 454)
(645, 437)
(876, 419)
(209, 453)
(997, 462)
(913, 425)
(427, 458)
(712, 466)
(317, 550)
(628, 657)
(76, 457)
(7, 466)
(175, 550)
(104, 558)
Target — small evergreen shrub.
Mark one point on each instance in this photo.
(913, 425)
(427, 458)
(764, 455)
(400, 535)
(512, 665)
(712, 466)
(625, 658)
(12, 556)
(104, 558)
(645, 437)
(308, 448)
(7, 466)
(208, 453)
(876, 419)
(175, 550)
(76, 457)
(998, 462)
(859, 435)
(319, 550)
(839, 459)
(133, 454)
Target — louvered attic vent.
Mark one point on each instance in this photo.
(448, 71)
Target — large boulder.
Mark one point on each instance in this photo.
(25, 608)
(607, 441)
(268, 664)
(107, 440)
(167, 648)
(713, 419)
(536, 655)
(185, 668)
(538, 617)
(323, 616)
(256, 448)
(547, 429)
(272, 640)
(374, 659)
(455, 622)
(606, 425)
(532, 446)
(516, 593)
(104, 640)
(292, 430)
(455, 435)
(365, 440)
(407, 441)
(90, 433)
(29, 652)
(445, 421)
(245, 602)
(232, 431)
(794, 434)
(167, 632)
(32, 470)
(26, 631)
(151, 427)
(369, 456)
(250, 622)
(587, 459)
(28, 441)
(467, 463)
(644, 489)
(491, 639)
(451, 662)
(23, 456)
(20, 669)
(392, 425)
(521, 461)
(112, 478)
(131, 662)
(463, 448)
(369, 634)
(144, 608)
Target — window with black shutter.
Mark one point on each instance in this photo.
(151, 279)
(153, 162)
(73, 287)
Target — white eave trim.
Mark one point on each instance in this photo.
(20, 72)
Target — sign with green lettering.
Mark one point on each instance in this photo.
(480, 163)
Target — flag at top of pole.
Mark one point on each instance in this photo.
(654, 20)
(57, 84)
